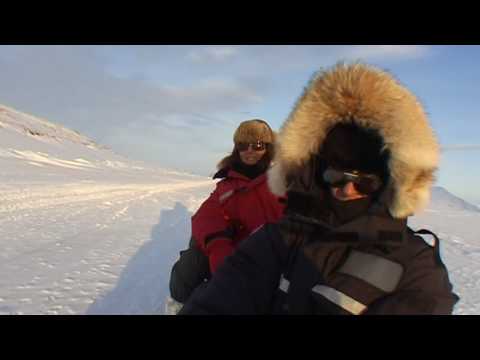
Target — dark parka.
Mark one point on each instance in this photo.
(267, 275)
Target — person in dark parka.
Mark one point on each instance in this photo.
(355, 158)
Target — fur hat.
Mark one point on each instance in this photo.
(252, 131)
(372, 99)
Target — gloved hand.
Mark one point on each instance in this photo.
(217, 250)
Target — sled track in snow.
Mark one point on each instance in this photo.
(52, 196)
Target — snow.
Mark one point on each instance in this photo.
(65, 247)
(460, 249)
(86, 231)
(83, 230)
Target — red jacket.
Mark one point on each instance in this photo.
(236, 208)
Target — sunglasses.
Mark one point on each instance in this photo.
(364, 183)
(256, 146)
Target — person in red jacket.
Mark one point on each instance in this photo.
(242, 201)
(240, 204)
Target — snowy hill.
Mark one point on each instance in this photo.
(84, 230)
(442, 200)
(39, 129)
(37, 149)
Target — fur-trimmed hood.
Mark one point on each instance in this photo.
(370, 98)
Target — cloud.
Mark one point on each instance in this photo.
(175, 141)
(381, 52)
(212, 92)
(212, 54)
(466, 147)
(158, 98)
(265, 67)
(190, 117)
(70, 84)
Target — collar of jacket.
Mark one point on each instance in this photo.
(370, 229)
(227, 173)
(376, 227)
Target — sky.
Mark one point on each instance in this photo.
(177, 106)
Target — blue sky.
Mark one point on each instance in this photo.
(178, 106)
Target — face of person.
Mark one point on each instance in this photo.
(347, 192)
(251, 153)
(347, 185)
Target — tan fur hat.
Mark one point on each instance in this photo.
(252, 131)
(373, 99)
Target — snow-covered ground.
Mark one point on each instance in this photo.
(66, 246)
(85, 231)
(460, 249)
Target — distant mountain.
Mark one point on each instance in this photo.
(443, 200)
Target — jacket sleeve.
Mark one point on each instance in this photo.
(424, 290)
(189, 271)
(209, 222)
(245, 283)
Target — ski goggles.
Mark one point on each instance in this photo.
(256, 146)
(364, 183)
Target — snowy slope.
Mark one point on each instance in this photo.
(76, 219)
(86, 231)
(442, 200)
(33, 148)
(456, 223)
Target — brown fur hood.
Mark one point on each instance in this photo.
(371, 98)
